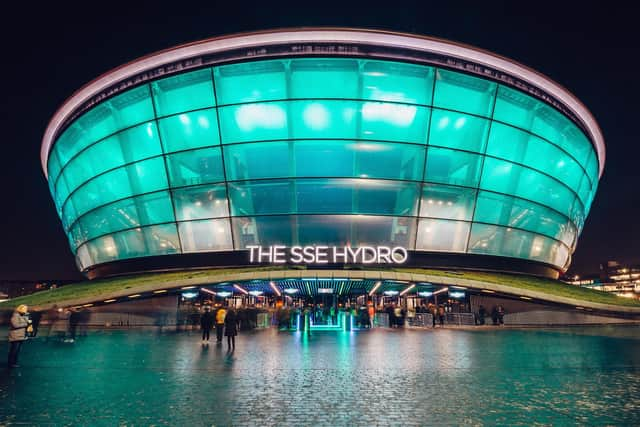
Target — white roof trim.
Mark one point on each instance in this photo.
(379, 38)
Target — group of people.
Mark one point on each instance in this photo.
(497, 315)
(225, 320)
(438, 313)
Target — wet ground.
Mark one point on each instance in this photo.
(584, 376)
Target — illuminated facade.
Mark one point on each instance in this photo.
(334, 137)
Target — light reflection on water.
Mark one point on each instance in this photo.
(553, 376)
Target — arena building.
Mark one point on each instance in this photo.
(323, 147)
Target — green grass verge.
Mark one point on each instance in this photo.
(547, 286)
(103, 287)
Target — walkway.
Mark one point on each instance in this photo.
(380, 377)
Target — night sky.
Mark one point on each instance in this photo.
(51, 49)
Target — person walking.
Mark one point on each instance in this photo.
(74, 317)
(220, 316)
(441, 315)
(434, 312)
(482, 313)
(19, 326)
(206, 323)
(500, 312)
(494, 315)
(231, 329)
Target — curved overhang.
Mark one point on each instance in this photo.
(161, 286)
(356, 37)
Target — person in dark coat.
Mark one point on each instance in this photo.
(482, 313)
(18, 328)
(231, 329)
(500, 313)
(494, 315)
(74, 318)
(206, 323)
(391, 315)
(441, 315)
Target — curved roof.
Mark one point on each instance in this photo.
(383, 39)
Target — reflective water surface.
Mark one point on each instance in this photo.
(587, 375)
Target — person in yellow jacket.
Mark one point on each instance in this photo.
(220, 316)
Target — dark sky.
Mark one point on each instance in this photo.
(51, 49)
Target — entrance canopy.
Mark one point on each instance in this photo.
(312, 286)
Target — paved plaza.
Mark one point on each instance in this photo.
(586, 376)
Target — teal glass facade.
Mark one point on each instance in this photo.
(322, 151)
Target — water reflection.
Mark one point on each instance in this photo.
(555, 376)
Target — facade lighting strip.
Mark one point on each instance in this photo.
(407, 289)
(375, 288)
(241, 289)
(275, 288)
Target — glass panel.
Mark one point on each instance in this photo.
(76, 236)
(254, 122)
(442, 235)
(250, 82)
(207, 201)
(53, 166)
(576, 143)
(501, 241)
(397, 82)
(452, 167)
(359, 159)
(263, 230)
(250, 161)
(68, 214)
(83, 258)
(133, 212)
(461, 92)
(195, 167)
(394, 122)
(448, 202)
(71, 141)
(189, 130)
(142, 177)
(508, 178)
(525, 112)
(62, 191)
(125, 147)
(592, 167)
(515, 108)
(513, 144)
(184, 92)
(324, 229)
(360, 230)
(324, 78)
(324, 119)
(129, 108)
(324, 196)
(585, 189)
(512, 212)
(208, 235)
(146, 241)
(461, 131)
(577, 214)
(324, 159)
(549, 123)
(262, 197)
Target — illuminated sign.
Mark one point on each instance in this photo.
(317, 254)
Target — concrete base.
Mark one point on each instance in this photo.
(523, 313)
(160, 311)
